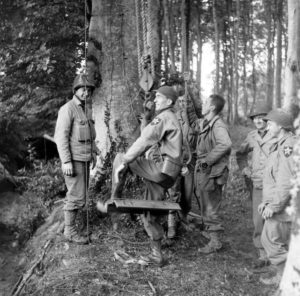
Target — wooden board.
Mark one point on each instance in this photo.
(139, 206)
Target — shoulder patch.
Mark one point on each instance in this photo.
(156, 121)
(287, 150)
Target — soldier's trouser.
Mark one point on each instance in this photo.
(77, 186)
(182, 192)
(156, 186)
(258, 221)
(211, 203)
(275, 240)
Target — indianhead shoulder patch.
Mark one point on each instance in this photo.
(287, 151)
(155, 121)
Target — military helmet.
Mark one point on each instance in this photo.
(260, 109)
(81, 80)
(281, 117)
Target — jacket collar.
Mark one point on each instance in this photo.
(171, 108)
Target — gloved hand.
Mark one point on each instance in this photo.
(149, 109)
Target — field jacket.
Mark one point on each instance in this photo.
(74, 133)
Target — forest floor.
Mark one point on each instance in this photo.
(98, 268)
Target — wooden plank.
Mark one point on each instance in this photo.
(139, 206)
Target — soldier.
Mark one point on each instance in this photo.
(159, 169)
(258, 142)
(211, 173)
(182, 190)
(277, 184)
(74, 136)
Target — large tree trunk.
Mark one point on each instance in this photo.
(112, 40)
(185, 17)
(290, 283)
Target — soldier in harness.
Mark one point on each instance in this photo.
(161, 166)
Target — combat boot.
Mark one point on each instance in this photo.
(274, 279)
(70, 231)
(171, 225)
(262, 261)
(156, 256)
(214, 244)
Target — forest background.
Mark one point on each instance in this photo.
(45, 43)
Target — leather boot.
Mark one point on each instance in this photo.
(156, 256)
(117, 187)
(275, 279)
(171, 225)
(262, 260)
(214, 244)
(70, 231)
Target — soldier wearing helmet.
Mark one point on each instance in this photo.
(277, 184)
(257, 143)
(74, 136)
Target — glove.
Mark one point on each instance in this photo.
(149, 109)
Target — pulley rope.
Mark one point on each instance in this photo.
(85, 112)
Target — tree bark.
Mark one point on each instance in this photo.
(116, 104)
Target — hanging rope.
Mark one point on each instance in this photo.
(137, 21)
(85, 112)
(150, 18)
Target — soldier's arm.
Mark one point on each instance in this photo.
(62, 134)
(283, 182)
(223, 145)
(150, 135)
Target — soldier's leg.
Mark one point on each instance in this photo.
(117, 185)
(75, 200)
(175, 196)
(213, 223)
(275, 240)
(258, 223)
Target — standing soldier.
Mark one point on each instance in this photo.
(213, 150)
(183, 189)
(74, 136)
(258, 142)
(276, 192)
(160, 169)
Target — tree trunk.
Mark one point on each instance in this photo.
(169, 35)
(112, 40)
(278, 54)
(217, 47)
(270, 51)
(185, 17)
(290, 282)
(236, 63)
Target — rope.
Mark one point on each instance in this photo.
(85, 112)
(150, 14)
(137, 18)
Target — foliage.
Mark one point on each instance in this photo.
(45, 180)
(41, 48)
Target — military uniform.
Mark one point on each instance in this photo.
(259, 144)
(276, 195)
(213, 149)
(74, 137)
(161, 167)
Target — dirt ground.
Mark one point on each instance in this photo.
(100, 268)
